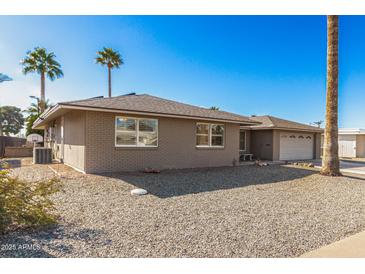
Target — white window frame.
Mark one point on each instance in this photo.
(245, 148)
(210, 135)
(137, 131)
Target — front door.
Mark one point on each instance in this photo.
(242, 140)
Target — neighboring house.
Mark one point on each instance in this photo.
(351, 142)
(133, 132)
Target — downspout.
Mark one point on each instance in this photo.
(62, 138)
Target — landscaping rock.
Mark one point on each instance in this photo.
(260, 163)
(151, 170)
(243, 211)
(139, 191)
(302, 164)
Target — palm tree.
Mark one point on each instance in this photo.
(330, 162)
(34, 108)
(112, 59)
(43, 63)
(33, 112)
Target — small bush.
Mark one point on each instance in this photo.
(24, 203)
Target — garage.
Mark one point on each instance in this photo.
(296, 146)
(278, 139)
(351, 142)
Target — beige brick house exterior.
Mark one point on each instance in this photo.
(84, 135)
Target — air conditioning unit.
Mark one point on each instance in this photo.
(42, 155)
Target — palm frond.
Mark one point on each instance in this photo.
(40, 61)
(109, 57)
(34, 108)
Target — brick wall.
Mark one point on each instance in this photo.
(16, 152)
(177, 146)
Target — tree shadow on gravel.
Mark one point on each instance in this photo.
(32, 243)
(172, 183)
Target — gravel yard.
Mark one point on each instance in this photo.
(245, 211)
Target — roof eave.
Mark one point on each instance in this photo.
(39, 122)
(282, 128)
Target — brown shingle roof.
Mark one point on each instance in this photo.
(145, 103)
(270, 122)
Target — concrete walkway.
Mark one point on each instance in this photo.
(348, 167)
(350, 247)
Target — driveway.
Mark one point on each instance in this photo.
(243, 211)
(349, 166)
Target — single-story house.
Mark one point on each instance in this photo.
(351, 143)
(133, 132)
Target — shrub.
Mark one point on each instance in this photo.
(24, 203)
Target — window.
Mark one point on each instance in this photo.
(308, 137)
(301, 137)
(217, 135)
(138, 132)
(292, 136)
(126, 132)
(202, 134)
(209, 135)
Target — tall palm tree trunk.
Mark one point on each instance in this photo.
(43, 96)
(330, 162)
(110, 81)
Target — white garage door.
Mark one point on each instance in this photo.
(347, 146)
(296, 146)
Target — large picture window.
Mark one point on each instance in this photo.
(136, 132)
(209, 135)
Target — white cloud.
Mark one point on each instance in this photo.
(17, 91)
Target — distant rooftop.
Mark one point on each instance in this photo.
(351, 131)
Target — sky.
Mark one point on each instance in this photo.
(250, 65)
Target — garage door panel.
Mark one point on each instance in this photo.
(347, 146)
(296, 146)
